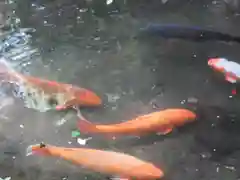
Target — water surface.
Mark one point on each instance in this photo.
(91, 44)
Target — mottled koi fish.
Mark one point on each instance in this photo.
(72, 95)
(191, 33)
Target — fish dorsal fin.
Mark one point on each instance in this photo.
(119, 178)
(230, 79)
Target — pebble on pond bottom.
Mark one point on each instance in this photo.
(83, 141)
(6, 178)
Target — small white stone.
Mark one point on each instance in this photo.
(109, 2)
(61, 122)
(83, 141)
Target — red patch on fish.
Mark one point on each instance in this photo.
(53, 83)
(234, 92)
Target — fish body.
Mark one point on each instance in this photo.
(230, 69)
(73, 95)
(161, 122)
(107, 162)
(187, 32)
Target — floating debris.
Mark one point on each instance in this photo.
(61, 122)
(112, 98)
(192, 100)
(75, 133)
(83, 141)
(183, 101)
(205, 155)
(108, 2)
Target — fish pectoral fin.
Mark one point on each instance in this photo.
(165, 130)
(61, 107)
(66, 105)
(119, 178)
(230, 79)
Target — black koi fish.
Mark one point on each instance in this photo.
(191, 33)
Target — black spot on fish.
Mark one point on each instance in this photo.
(42, 145)
(52, 101)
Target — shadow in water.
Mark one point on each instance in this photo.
(218, 131)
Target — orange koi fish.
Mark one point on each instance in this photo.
(161, 122)
(73, 95)
(107, 162)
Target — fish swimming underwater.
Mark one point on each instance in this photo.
(230, 69)
(72, 95)
(161, 122)
(107, 162)
(191, 33)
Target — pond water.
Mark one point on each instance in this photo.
(92, 44)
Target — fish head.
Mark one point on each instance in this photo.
(87, 98)
(37, 149)
(154, 172)
(182, 116)
(217, 63)
(147, 171)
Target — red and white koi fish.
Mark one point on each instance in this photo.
(230, 69)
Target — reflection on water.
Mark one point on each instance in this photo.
(17, 54)
(91, 44)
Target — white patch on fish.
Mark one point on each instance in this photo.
(229, 66)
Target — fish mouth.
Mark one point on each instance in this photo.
(212, 61)
(33, 149)
(29, 150)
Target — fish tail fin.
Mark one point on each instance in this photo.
(236, 39)
(86, 126)
(4, 67)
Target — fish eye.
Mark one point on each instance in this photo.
(52, 101)
(42, 145)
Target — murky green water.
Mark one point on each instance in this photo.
(91, 44)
